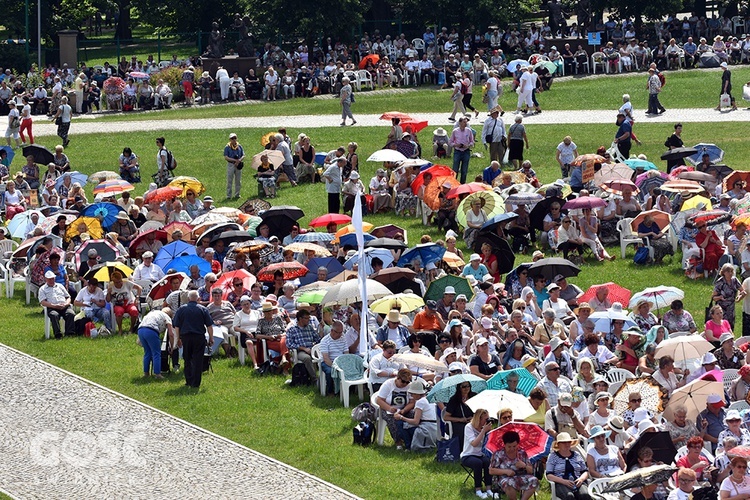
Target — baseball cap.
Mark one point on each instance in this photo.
(482, 341)
(723, 65)
(528, 360)
(431, 305)
(565, 399)
(486, 322)
(456, 367)
(148, 255)
(245, 298)
(558, 278)
(712, 399)
(232, 135)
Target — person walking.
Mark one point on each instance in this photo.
(654, 88)
(14, 124)
(332, 176)
(234, 154)
(525, 87)
(191, 322)
(26, 121)
(457, 98)
(462, 140)
(493, 134)
(468, 86)
(62, 120)
(726, 87)
(516, 140)
(347, 97)
(622, 137)
(493, 88)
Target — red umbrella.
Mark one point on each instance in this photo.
(471, 187)
(160, 235)
(395, 114)
(326, 219)
(534, 441)
(739, 451)
(413, 126)
(369, 58)
(708, 217)
(225, 281)
(163, 194)
(616, 293)
(435, 171)
(675, 173)
(163, 287)
(292, 270)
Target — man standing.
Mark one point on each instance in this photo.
(622, 137)
(56, 299)
(461, 140)
(302, 337)
(654, 87)
(493, 134)
(566, 152)
(726, 86)
(332, 176)
(234, 155)
(280, 144)
(191, 322)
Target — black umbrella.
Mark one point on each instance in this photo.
(290, 211)
(500, 248)
(678, 153)
(401, 285)
(388, 243)
(721, 170)
(279, 225)
(541, 209)
(659, 442)
(42, 155)
(551, 267)
(233, 236)
(211, 232)
(639, 478)
(710, 60)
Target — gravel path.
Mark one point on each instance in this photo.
(65, 437)
(92, 125)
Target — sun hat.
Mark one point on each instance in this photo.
(641, 414)
(232, 135)
(440, 132)
(449, 290)
(416, 387)
(474, 256)
(528, 360)
(486, 322)
(745, 370)
(496, 109)
(456, 367)
(565, 399)
(146, 255)
(537, 253)
(447, 352)
(723, 65)
(50, 275)
(394, 316)
(583, 305)
(603, 395)
(645, 425)
(558, 278)
(354, 175)
(597, 430)
(708, 359)
(564, 437)
(380, 172)
(122, 216)
(732, 415)
(267, 307)
(272, 299)
(555, 343)
(642, 302)
(553, 286)
(616, 423)
(726, 336)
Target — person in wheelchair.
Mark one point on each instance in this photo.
(129, 168)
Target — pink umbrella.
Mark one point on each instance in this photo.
(584, 202)
(616, 293)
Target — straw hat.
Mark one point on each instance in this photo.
(440, 131)
(564, 437)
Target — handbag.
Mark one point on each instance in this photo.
(708, 310)
(448, 450)
(726, 100)
(15, 123)
(58, 121)
(240, 165)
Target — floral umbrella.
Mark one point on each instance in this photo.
(103, 175)
(658, 296)
(292, 270)
(652, 395)
(301, 247)
(90, 225)
(708, 217)
(491, 204)
(47, 224)
(114, 85)
(163, 194)
(518, 180)
(616, 293)
(534, 441)
(188, 184)
(616, 186)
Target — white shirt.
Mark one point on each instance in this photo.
(567, 153)
(55, 294)
(526, 82)
(88, 298)
(144, 272)
(379, 363)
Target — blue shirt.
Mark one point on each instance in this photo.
(489, 175)
(576, 177)
(60, 273)
(478, 273)
(624, 127)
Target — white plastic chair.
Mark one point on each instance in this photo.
(596, 489)
(739, 406)
(317, 358)
(741, 341)
(165, 64)
(380, 423)
(10, 281)
(615, 375)
(737, 22)
(352, 79)
(47, 325)
(598, 59)
(364, 79)
(626, 235)
(30, 288)
(345, 385)
(418, 43)
(730, 375)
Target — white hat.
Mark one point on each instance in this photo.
(725, 336)
(449, 290)
(708, 358)
(447, 352)
(723, 65)
(148, 254)
(394, 316)
(733, 415)
(354, 175)
(430, 266)
(565, 399)
(416, 387)
(482, 341)
(440, 131)
(50, 275)
(474, 256)
(640, 414)
(555, 343)
(645, 425)
(486, 322)
(456, 366)
(712, 399)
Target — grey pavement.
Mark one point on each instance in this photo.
(92, 125)
(64, 437)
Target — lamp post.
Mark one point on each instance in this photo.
(39, 33)
(26, 37)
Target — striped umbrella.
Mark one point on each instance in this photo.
(313, 236)
(524, 198)
(526, 381)
(615, 186)
(113, 187)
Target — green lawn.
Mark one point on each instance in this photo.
(697, 88)
(297, 426)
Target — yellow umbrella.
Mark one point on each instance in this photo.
(103, 272)
(492, 205)
(366, 227)
(453, 260)
(301, 246)
(230, 213)
(565, 188)
(266, 138)
(188, 184)
(90, 225)
(407, 301)
(695, 201)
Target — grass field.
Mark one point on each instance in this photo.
(298, 426)
(696, 88)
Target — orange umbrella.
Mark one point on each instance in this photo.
(170, 228)
(588, 159)
(662, 219)
(163, 194)
(366, 227)
(433, 190)
(395, 114)
(742, 218)
(266, 138)
(737, 175)
(369, 58)
(413, 126)
(453, 260)
(434, 171)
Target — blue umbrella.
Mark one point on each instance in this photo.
(183, 263)
(424, 253)
(370, 253)
(715, 153)
(331, 263)
(635, 163)
(167, 253)
(446, 388)
(498, 219)
(351, 239)
(107, 212)
(526, 381)
(75, 176)
(314, 237)
(11, 154)
(515, 64)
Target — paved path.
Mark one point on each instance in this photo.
(87, 125)
(64, 437)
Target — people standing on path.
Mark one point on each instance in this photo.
(493, 88)
(468, 93)
(534, 86)
(493, 135)
(623, 135)
(346, 101)
(462, 140)
(525, 86)
(457, 98)
(726, 87)
(672, 142)
(62, 120)
(654, 88)
(235, 156)
(332, 176)
(191, 322)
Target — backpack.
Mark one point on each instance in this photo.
(464, 88)
(641, 255)
(662, 78)
(300, 376)
(171, 161)
(363, 434)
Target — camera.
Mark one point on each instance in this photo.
(492, 420)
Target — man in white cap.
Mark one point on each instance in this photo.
(708, 363)
(393, 330)
(382, 367)
(445, 305)
(147, 270)
(475, 268)
(56, 299)
(710, 422)
(563, 418)
(726, 86)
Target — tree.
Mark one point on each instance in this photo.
(641, 10)
(188, 16)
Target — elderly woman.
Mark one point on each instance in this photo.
(472, 456)
(120, 295)
(651, 233)
(740, 388)
(680, 428)
(711, 245)
(418, 432)
(729, 357)
(14, 201)
(511, 469)
(475, 219)
(727, 290)
(538, 400)
(60, 159)
(643, 316)
(597, 352)
(666, 377)
(602, 459)
(695, 459)
(155, 324)
(677, 319)
(589, 224)
(287, 302)
(271, 328)
(457, 411)
(733, 422)
(648, 364)
(380, 192)
(602, 414)
(567, 469)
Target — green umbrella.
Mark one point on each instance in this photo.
(551, 67)
(313, 296)
(252, 225)
(437, 288)
(492, 205)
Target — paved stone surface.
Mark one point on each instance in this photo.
(64, 437)
(93, 125)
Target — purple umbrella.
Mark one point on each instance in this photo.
(582, 202)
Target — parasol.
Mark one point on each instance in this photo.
(290, 211)
(414, 126)
(435, 187)
(652, 395)
(21, 224)
(616, 186)
(103, 272)
(349, 292)
(736, 176)
(386, 155)
(603, 319)
(557, 188)
(616, 293)
(89, 225)
(534, 441)
(50, 222)
(302, 247)
(677, 186)
(638, 164)
(709, 218)
(696, 176)
(163, 288)
(103, 175)
(646, 183)
(254, 206)
(524, 198)
(491, 205)
(612, 171)
(446, 388)
(419, 360)
(113, 85)
(692, 396)
(159, 234)
(436, 290)
(291, 270)
(395, 114)
(213, 230)
(312, 236)
(540, 211)
(389, 231)
(471, 187)
(113, 187)
(177, 225)
(231, 236)
(590, 202)
(660, 443)
(224, 282)
(518, 182)
(515, 64)
(185, 262)
(391, 274)
(654, 474)
(551, 267)
(407, 302)
(662, 219)
(326, 219)
(501, 249)
(423, 253)
(75, 176)
(105, 250)
(349, 229)
(696, 203)
(678, 154)
(714, 152)
(274, 157)
(350, 240)
(588, 159)
(684, 348)
(42, 155)
(548, 65)
(388, 243)
(171, 251)
(435, 171)
(453, 260)
(495, 400)
(369, 254)
(658, 296)
(188, 184)
(526, 381)
(105, 212)
(492, 223)
(163, 194)
(139, 75)
(369, 58)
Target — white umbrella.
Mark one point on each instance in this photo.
(658, 296)
(416, 162)
(419, 360)
(602, 319)
(495, 400)
(693, 397)
(275, 158)
(348, 293)
(684, 348)
(370, 253)
(389, 155)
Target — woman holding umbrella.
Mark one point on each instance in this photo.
(657, 238)
(727, 288)
(457, 412)
(511, 469)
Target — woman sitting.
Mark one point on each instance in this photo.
(602, 459)
(716, 326)
(538, 400)
(727, 356)
(734, 429)
(567, 469)
(483, 364)
(711, 245)
(601, 416)
(736, 486)
(680, 428)
(695, 459)
(511, 469)
(677, 319)
(457, 412)
(653, 235)
(419, 431)
(643, 316)
(475, 219)
(665, 375)
(380, 193)
(267, 177)
(472, 456)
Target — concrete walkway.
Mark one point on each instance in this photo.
(64, 437)
(87, 125)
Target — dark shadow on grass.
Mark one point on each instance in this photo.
(183, 390)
